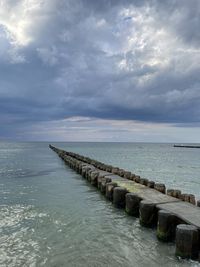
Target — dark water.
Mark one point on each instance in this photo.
(50, 216)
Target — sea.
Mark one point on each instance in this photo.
(50, 216)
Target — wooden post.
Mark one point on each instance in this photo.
(143, 181)
(137, 179)
(119, 199)
(187, 241)
(132, 204)
(177, 194)
(94, 176)
(121, 172)
(160, 187)
(151, 184)
(115, 170)
(170, 192)
(109, 190)
(148, 213)
(166, 227)
(127, 175)
(104, 181)
(192, 199)
(132, 177)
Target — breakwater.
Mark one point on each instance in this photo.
(187, 146)
(174, 213)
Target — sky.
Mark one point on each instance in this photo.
(104, 70)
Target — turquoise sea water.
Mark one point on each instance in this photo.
(50, 216)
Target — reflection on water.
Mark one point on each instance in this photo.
(18, 247)
(55, 218)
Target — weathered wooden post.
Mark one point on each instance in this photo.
(115, 170)
(170, 192)
(89, 171)
(108, 168)
(119, 199)
(192, 199)
(132, 177)
(166, 227)
(177, 194)
(148, 213)
(84, 170)
(151, 184)
(121, 172)
(160, 187)
(109, 190)
(104, 181)
(127, 175)
(93, 178)
(187, 241)
(88, 176)
(132, 204)
(80, 167)
(137, 179)
(99, 180)
(143, 181)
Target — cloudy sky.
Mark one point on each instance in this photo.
(104, 70)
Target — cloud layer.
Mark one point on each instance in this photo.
(116, 60)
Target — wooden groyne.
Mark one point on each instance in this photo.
(176, 215)
(187, 146)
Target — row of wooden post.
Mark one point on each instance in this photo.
(169, 226)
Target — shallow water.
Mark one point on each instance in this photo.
(50, 216)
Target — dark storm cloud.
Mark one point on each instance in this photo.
(136, 60)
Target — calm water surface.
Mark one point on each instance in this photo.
(50, 216)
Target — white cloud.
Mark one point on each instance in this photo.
(15, 16)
